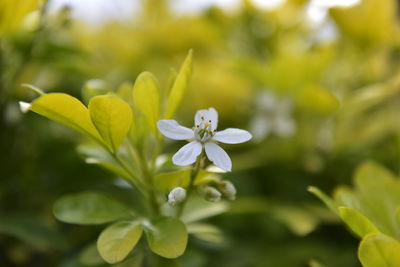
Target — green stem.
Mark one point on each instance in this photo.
(133, 179)
(156, 152)
(150, 182)
(193, 176)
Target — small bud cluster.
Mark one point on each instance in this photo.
(227, 189)
(222, 189)
(212, 193)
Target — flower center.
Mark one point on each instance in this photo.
(203, 131)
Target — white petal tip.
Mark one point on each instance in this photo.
(213, 168)
(179, 163)
(172, 130)
(24, 106)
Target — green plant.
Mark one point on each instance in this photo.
(371, 210)
(122, 136)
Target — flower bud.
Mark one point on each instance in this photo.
(227, 189)
(211, 194)
(176, 196)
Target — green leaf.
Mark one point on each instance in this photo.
(165, 182)
(379, 250)
(372, 182)
(100, 156)
(31, 230)
(134, 260)
(66, 110)
(112, 118)
(117, 240)
(166, 236)
(298, 220)
(197, 209)
(344, 196)
(179, 87)
(322, 196)
(89, 208)
(90, 255)
(205, 232)
(369, 173)
(357, 222)
(146, 97)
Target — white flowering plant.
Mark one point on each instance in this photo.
(125, 132)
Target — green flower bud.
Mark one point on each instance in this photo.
(211, 194)
(227, 189)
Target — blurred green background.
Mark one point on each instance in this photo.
(317, 84)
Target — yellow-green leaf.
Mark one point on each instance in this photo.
(322, 196)
(146, 97)
(371, 21)
(167, 236)
(357, 222)
(112, 118)
(117, 240)
(66, 110)
(179, 87)
(379, 250)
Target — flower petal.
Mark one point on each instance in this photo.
(261, 127)
(187, 154)
(208, 115)
(172, 129)
(232, 136)
(24, 107)
(218, 156)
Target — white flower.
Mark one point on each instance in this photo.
(176, 196)
(273, 116)
(203, 134)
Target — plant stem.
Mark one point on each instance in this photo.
(193, 176)
(156, 152)
(133, 179)
(148, 176)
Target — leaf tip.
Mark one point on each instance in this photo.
(311, 189)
